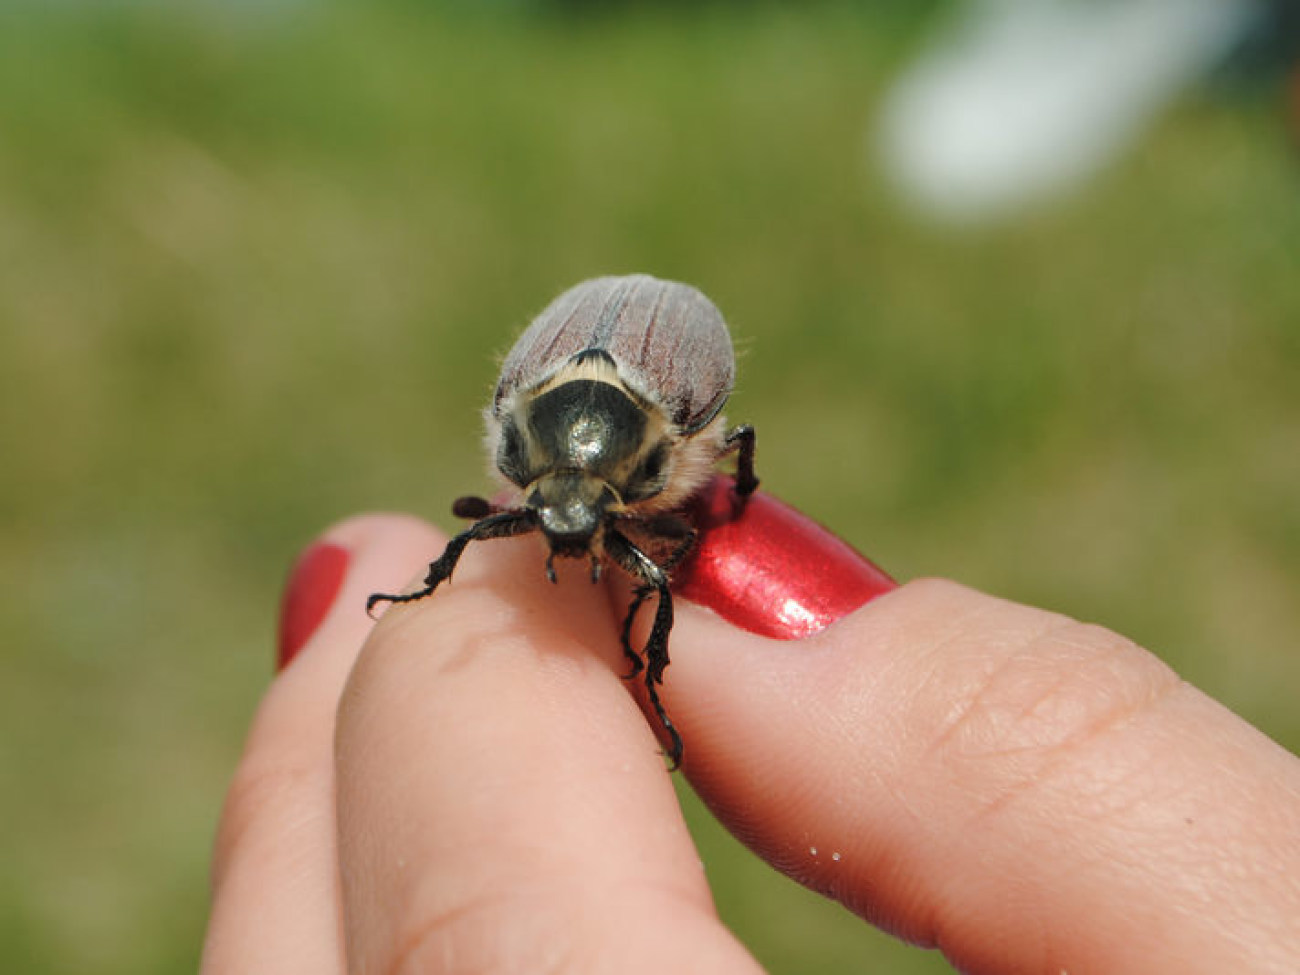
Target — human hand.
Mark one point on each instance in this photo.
(1023, 791)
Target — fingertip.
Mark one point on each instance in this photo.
(291, 737)
(494, 708)
(313, 584)
(976, 774)
(769, 568)
(275, 896)
(364, 553)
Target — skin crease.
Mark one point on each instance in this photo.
(1025, 792)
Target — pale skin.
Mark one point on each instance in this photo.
(475, 789)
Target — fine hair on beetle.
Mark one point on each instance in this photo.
(606, 421)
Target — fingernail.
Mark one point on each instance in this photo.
(313, 584)
(770, 569)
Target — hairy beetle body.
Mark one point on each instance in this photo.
(606, 419)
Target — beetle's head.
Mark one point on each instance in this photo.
(582, 446)
(571, 507)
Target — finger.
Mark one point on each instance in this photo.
(275, 887)
(1026, 792)
(503, 805)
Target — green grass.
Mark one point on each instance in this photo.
(254, 274)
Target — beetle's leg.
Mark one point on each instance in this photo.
(742, 439)
(500, 525)
(674, 527)
(639, 596)
(666, 526)
(473, 507)
(640, 566)
(669, 527)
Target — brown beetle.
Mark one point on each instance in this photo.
(606, 420)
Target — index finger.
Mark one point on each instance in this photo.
(502, 802)
(1024, 791)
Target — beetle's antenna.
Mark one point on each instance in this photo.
(517, 521)
(474, 508)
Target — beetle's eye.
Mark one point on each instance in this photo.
(654, 464)
(511, 456)
(650, 473)
(649, 477)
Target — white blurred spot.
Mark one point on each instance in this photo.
(1024, 98)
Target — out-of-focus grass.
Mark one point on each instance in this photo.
(253, 274)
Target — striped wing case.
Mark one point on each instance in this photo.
(669, 341)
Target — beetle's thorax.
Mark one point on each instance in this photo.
(584, 418)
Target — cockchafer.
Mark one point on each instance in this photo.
(606, 420)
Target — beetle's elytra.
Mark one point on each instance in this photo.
(605, 421)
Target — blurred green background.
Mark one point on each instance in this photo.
(255, 266)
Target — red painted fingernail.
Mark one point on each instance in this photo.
(313, 584)
(770, 569)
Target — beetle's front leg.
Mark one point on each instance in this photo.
(501, 525)
(639, 595)
(666, 526)
(672, 527)
(640, 566)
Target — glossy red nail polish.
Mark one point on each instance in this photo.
(770, 569)
(313, 584)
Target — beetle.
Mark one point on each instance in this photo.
(606, 420)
